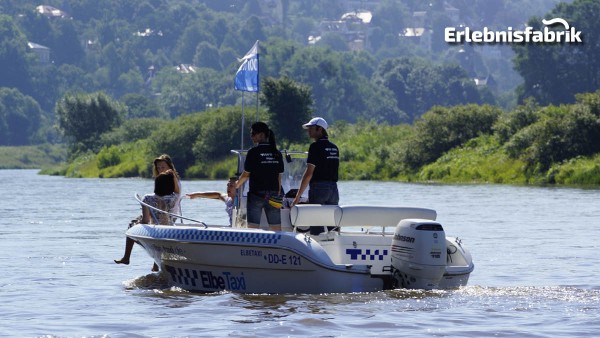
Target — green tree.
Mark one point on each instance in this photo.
(274, 54)
(220, 132)
(131, 81)
(533, 61)
(82, 118)
(442, 129)
(510, 123)
(419, 85)
(14, 57)
(187, 45)
(176, 138)
(20, 118)
(140, 106)
(193, 92)
(558, 133)
(252, 30)
(334, 41)
(289, 106)
(339, 90)
(207, 56)
(131, 130)
(66, 47)
(389, 16)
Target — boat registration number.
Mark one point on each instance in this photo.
(283, 259)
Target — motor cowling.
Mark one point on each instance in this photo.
(418, 254)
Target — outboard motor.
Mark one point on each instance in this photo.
(418, 254)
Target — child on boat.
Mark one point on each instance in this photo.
(227, 197)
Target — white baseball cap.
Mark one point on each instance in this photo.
(316, 121)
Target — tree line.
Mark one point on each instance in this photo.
(165, 58)
(539, 144)
(152, 75)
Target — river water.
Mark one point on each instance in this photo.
(535, 251)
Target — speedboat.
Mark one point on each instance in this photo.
(321, 248)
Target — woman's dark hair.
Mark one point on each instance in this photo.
(261, 127)
(164, 184)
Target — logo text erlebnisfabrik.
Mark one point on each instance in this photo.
(528, 35)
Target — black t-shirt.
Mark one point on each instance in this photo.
(325, 156)
(264, 165)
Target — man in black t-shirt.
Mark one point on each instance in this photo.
(323, 161)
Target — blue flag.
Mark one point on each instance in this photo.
(246, 78)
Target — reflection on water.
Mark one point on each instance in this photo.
(533, 294)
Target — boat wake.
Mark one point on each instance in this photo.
(152, 281)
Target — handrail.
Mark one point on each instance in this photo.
(137, 197)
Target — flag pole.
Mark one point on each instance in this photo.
(242, 133)
(246, 80)
(257, 77)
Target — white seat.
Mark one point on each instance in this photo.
(384, 216)
(313, 215)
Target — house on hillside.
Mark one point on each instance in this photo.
(51, 12)
(186, 68)
(419, 36)
(42, 52)
(352, 26)
(487, 81)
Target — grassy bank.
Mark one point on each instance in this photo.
(368, 152)
(32, 157)
(482, 160)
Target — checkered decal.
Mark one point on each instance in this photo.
(183, 276)
(357, 254)
(201, 235)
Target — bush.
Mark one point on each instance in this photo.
(108, 156)
(176, 139)
(560, 133)
(442, 129)
(509, 124)
(580, 171)
(130, 131)
(220, 132)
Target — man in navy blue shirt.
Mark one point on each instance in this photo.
(321, 174)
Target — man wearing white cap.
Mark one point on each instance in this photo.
(321, 174)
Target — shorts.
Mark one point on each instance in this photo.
(256, 203)
(323, 192)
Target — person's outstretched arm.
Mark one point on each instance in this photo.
(208, 194)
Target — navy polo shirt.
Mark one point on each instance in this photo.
(325, 156)
(264, 163)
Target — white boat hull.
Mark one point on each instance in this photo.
(248, 261)
(213, 259)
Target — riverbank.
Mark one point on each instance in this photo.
(480, 160)
(466, 165)
(32, 157)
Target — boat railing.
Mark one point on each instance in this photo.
(137, 197)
